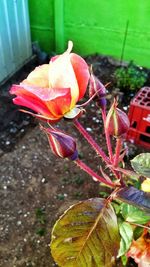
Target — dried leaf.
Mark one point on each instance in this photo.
(86, 235)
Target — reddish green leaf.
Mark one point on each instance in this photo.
(134, 215)
(135, 197)
(141, 164)
(126, 233)
(86, 235)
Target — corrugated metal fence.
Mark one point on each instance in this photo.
(15, 42)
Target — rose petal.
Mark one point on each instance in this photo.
(58, 100)
(73, 113)
(81, 71)
(61, 75)
(38, 77)
(45, 101)
(21, 101)
(28, 99)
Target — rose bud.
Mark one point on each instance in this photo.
(117, 122)
(95, 86)
(62, 145)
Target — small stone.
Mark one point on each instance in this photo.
(89, 129)
(7, 143)
(94, 118)
(131, 95)
(19, 211)
(43, 180)
(19, 223)
(25, 123)
(13, 130)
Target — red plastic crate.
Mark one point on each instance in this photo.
(139, 116)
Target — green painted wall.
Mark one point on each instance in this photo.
(94, 26)
(41, 14)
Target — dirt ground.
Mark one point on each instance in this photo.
(36, 187)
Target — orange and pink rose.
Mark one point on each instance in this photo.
(52, 90)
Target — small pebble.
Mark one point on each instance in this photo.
(7, 143)
(89, 129)
(19, 211)
(5, 187)
(94, 118)
(13, 130)
(43, 180)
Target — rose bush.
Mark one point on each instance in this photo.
(52, 90)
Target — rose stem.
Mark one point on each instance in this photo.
(140, 225)
(91, 141)
(107, 136)
(127, 172)
(116, 159)
(96, 147)
(117, 151)
(88, 170)
(109, 144)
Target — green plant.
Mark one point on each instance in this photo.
(130, 77)
(41, 219)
